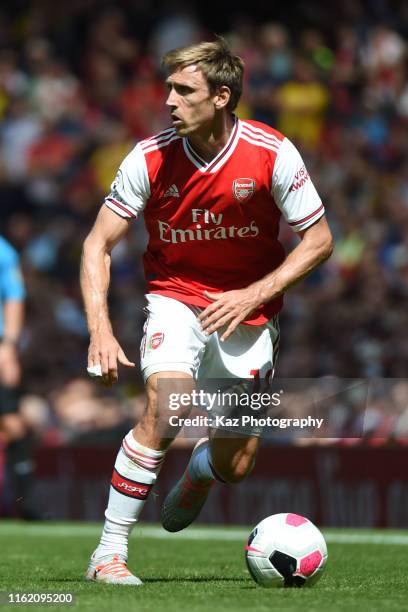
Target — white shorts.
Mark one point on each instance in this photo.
(174, 342)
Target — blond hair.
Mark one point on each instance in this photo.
(216, 62)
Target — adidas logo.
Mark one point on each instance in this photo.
(172, 192)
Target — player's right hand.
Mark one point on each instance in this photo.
(105, 350)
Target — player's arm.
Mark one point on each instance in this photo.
(104, 349)
(297, 198)
(13, 291)
(233, 307)
(315, 247)
(13, 314)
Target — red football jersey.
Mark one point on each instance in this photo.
(214, 226)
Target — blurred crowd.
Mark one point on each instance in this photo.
(81, 82)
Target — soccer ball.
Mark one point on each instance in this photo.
(286, 550)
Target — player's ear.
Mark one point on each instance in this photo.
(222, 97)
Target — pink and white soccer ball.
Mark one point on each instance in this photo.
(286, 550)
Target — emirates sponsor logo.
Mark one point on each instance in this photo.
(205, 225)
(156, 340)
(243, 189)
(133, 489)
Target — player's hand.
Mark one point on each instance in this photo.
(228, 309)
(105, 350)
(10, 370)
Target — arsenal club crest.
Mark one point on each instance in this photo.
(156, 340)
(243, 189)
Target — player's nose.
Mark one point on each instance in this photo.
(171, 99)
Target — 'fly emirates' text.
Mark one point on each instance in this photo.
(205, 217)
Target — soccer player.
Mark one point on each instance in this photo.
(19, 463)
(212, 189)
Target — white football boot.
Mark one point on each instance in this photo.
(111, 571)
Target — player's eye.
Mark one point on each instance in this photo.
(183, 90)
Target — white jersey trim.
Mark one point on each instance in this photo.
(259, 143)
(119, 209)
(272, 142)
(293, 190)
(261, 134)
(161, 144)
(308, 220)
(161, 134)
(130, 189)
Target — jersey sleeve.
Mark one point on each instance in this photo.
(11, 280)
(293, 190)
(131, 188)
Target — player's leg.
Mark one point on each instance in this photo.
(19, 461)
(169, 353)
(226, 456)
(252, 353)
(224, 459)
(232, 455)
(136, 468)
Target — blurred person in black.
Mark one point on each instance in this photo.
(13, 430)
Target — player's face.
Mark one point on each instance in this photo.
(191, 104)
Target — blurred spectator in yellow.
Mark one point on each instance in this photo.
(302, 102)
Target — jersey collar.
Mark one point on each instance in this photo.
(221, 157)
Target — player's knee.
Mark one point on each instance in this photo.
(165, 386)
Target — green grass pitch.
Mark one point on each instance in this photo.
(201, 569)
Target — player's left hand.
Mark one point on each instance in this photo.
(228, 309)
